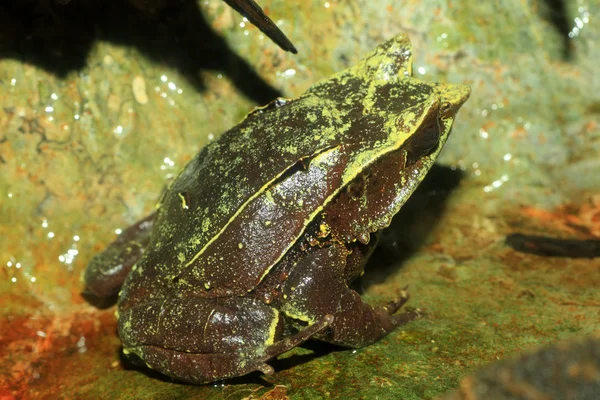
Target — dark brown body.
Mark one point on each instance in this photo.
(256, 242)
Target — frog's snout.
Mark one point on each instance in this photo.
(454, 94)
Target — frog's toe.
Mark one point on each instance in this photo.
(396, 304)
(405, 317)
(400, 319)
(265, 369)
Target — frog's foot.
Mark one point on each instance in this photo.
(395, 305)
(200, 340)
(316, 287)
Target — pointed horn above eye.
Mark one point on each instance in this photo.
(389, 62)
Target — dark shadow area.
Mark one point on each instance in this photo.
(286, 363)
(555, 13)
(411, 226)
(319, 349)
(58, 38)
(553, 247)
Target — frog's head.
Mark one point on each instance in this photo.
(412, 116)
(378, 99)
(428, 123)
(381, 108)
(390, 88)
(423, 112)
(452, 97)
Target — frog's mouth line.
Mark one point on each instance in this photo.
(423, 149)
(420, 155)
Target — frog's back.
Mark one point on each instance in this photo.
(208, 198)
(243, 201)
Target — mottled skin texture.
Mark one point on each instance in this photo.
(262, 232)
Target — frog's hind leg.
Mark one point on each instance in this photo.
(316, 287)
(107, 271)
(200, 340)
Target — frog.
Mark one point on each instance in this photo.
(253, 247)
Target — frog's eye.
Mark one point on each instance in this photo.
(446, 109)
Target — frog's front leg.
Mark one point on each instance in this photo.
(107, 271)
(199, 340)
(316, 287)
